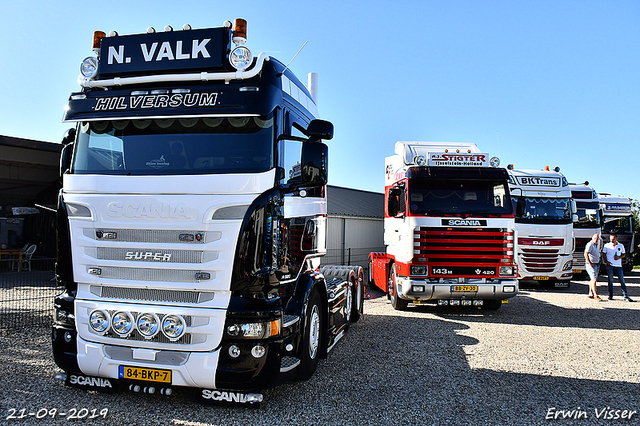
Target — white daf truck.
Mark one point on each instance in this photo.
(544, 224)
(192, 221)
(448, 228)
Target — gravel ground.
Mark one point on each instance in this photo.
(545, 353)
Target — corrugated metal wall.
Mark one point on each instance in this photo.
(350, 240)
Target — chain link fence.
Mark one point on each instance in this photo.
(26, 296)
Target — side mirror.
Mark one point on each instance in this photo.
(320, 129)
(314, 169)
(67, 151)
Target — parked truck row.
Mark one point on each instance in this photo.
(192, 222)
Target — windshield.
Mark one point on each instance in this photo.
(175, 146)
(588, 216)
(543, 210)
(458, 197)
(618, 225)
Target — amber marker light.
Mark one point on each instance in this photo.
(240, 31)
(97, 38)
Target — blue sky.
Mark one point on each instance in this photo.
(537, 83)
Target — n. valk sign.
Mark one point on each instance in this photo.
(162, 52)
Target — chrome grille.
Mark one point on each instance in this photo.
(145, 255)
(152, 295)
(149, 274)
(537, 261)
(153, 236)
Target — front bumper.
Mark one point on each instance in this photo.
(410, 289)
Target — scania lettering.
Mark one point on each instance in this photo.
(448, 228)
(589, 222)
(544, 224)
(618, 219)
(192, 221)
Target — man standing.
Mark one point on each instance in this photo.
(592, 262)
(614, 252)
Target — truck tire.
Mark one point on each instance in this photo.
(397, 303)
(357, 307)
(311, 338)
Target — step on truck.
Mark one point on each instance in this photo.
(192, 221)
(589, 222)
(618, 219)
(448, 228)
(544, 223)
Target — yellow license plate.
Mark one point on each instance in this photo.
(464, 288)
(144, 374)
(540, 278)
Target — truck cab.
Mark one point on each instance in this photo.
(589, 222)
(618, 219)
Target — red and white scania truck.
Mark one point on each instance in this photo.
(544, 221)
(448, 228)
(192, 221)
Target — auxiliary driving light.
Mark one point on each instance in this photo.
(454, 302)
(478, 303)
(443, 302)
(122, 323)
(89, 67)
(99, 321)
(509, 288)
(466, 302)
(494, 161)
(173, 326)
(241, 58)
(234, 351)
(258, 351)
(148, 325)
(417, 288)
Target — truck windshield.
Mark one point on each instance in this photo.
(544, 210)
(175, 146)
(618, 225)
(588, 216)
(458, 197)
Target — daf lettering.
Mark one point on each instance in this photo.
(541, 243)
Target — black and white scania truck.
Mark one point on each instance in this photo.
(192, 221)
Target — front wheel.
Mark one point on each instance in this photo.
(396, 302)
(312, 337)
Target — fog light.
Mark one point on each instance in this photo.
(443, 302)
(148, 325)
(568, 265)
(417, 288)
(234, 351)
(99, 321)
(454, 302)
(466, 303)
(173, 326)
(67, 336)
(122, 323)
(509, 288)
(89, 67)
(478, 303)
(241, 58)
(258, 351)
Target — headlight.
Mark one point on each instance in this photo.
(122, 323)
(241, 58)
(255, 330)
(506, 270)
(173, 326)
(148, 325)
(567, 266)
(99, 321)
(89, 67)
(418, 270)
(509, 288)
